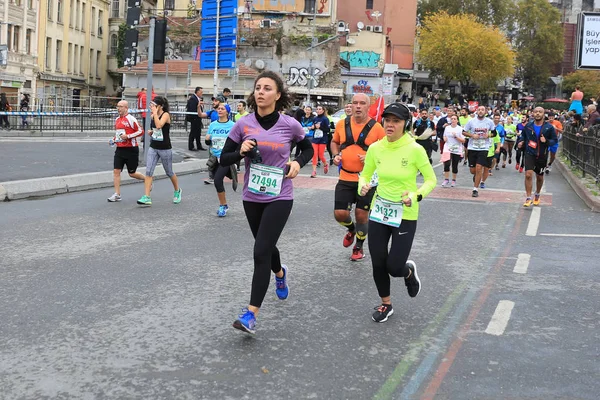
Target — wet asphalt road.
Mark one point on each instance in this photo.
(111, 301)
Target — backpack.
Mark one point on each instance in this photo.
(361, 138)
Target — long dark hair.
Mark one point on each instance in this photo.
(284, 100)
(162, 101)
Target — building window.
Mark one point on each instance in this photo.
(310, 6)
(369, 4)
(70, 59)
(58, 55)
(16, 38)
(80, 60)
(98, 60)
(115, 8)
(18, 3)
(93, 21)
(59, 9)
(50, 10)
(82, 17)
(48, 53)
(100, 16)
(90, 72)
(170, 5)
(71, 13)
(77, 14)
(114, 45)
(28, 41)
(30, 4)
(75, 59)
(9, 29)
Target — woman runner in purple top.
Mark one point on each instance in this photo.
(264, 139)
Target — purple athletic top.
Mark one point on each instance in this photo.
(275, 148)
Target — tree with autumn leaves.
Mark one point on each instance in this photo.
(458, 47)
(588, 82)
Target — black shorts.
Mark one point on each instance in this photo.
(537, 165)
(478, 157)
(346, 194)
(126, 156)
(490, 161)
(466, 143)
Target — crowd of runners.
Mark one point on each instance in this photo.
(385, 170)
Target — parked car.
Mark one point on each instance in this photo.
(335, 117)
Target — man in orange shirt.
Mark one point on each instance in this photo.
(559, 130)
(353, 135)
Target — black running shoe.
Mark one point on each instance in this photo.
(413, 283)
(382, 313)
(475, 193)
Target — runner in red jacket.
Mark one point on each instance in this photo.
(127, 130)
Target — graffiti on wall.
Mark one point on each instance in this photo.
(295, 6)
(300, 76)
(362, 86)
(361, 59)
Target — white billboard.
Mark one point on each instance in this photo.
(588, 49)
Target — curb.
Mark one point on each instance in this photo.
(578, 187)
(16, 190)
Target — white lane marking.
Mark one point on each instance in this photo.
(576, 235)
(500, 318)
(534, 222)
(522, 263)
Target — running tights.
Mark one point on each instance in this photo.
(454, 160)
(266, 221)
(219, 175)
(393, 262)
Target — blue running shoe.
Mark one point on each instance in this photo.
(281, 287)
(246, 322)
(222, 211)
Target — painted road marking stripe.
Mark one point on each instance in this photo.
(534, 222)
(522, 263)
(448, 358)
(500, 318)
(576, 235)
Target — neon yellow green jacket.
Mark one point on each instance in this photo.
(397, 164)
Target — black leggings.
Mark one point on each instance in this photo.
(266, 221)
(454, 160)
(218, 175)
(393, 262)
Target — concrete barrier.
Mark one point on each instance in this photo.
(15, 190)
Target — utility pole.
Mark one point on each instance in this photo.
(216, 73)
(149, 83)
(310, 61)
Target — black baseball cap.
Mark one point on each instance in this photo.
(399, 110)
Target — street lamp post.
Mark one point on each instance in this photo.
(311, 79)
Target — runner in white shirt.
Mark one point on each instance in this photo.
(479, 130)
(453, 150)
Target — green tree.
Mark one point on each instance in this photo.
(495, 12)
(588, 82)
(121, 45)
(539, 41)
(458, 47)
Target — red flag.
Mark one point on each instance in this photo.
(376, 109)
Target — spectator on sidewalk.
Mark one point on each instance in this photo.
(4, 106)
(24, 107)
(195, 104)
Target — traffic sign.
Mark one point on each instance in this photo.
(209, 8)
(227, 26)
(226, 59)
(225, 42)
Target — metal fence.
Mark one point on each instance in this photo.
(83, 120)
(582, 149)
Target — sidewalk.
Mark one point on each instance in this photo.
(76, 133)
(580, 185)
(28, 188)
